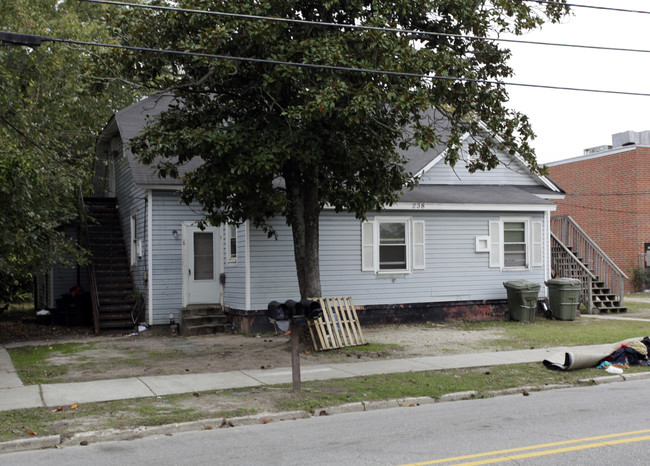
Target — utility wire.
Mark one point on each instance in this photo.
(363, 28)
(47, 153)
(607, 194)
(34, 41)
(23, 135)
(593, 7)
(31, 40)
(596, 209)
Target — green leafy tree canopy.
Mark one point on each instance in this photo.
(51, 109)
(277, 139)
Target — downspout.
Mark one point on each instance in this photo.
(149, 208)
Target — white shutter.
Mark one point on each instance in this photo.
(367, 247)
(537, 244)
(418, 245)
(495, 244)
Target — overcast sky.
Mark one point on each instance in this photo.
(567, 122)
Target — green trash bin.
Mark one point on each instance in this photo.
(564, 297)
(522, 300)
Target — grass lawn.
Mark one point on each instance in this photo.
(545, 333)
(224, 404)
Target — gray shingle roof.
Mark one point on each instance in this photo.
(132, 119)
(474, 194)
(417, 158)
(130, 122)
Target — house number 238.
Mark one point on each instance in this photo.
(417, 205)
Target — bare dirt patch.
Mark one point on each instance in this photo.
(159, 353)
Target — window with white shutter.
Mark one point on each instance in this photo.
(514, 243)
(367, 247)
(418, 245)
(392, 245)
(537, 260)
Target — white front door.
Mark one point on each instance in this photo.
(201, 264)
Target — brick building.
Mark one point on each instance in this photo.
(608, 195)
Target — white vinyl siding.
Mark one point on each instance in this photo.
(459, 274)
(495, 244)
(132, 212)
(166, 272)
(235, 290)
(273, 274)
(508, 172)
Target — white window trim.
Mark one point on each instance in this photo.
(230, 260)
(407, 237)
(134, 240)
(496, 243)
(370, 245)
(527, 239)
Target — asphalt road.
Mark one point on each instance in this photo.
(601, 425)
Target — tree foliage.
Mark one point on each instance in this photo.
(278, 139)
(50, 112)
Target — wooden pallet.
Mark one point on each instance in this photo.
(339, 326)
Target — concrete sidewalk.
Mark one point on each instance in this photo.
(14, 395)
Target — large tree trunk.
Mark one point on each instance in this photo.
(304, 213)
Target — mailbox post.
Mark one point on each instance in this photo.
(297, 313)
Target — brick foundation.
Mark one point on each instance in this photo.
(257, 322)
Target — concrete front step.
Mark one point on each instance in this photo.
(202, 321)
(207, 329)
(201, 311)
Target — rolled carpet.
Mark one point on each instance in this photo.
(583, 358)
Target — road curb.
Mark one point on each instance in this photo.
(636, 376)
(458, 396)
(85, 438)
(357, 406)
(527, 390)
(25, 444)
(615, 378)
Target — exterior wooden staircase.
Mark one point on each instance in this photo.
(575, 255)
(111, 284)
(202, 321)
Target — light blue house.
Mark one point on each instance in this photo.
(442, 252)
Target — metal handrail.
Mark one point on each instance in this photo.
(569, 233)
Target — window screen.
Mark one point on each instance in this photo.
(203, 256)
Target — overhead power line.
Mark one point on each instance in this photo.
(640, 193)
(33, 41)
(362, 28)
(593, 7)
(23, 135)
(597, 209)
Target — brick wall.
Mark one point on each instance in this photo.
(609, 197)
